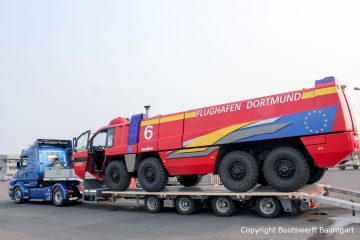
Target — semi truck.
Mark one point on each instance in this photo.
(285, 141)
(46, 174)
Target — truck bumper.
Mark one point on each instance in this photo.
(328, 150)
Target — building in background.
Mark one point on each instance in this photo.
(8, 166)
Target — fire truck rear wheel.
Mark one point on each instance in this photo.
(190, 180)
(316, 174)
(117, 177)
(239, 171)
(286, 169)
(152, 175)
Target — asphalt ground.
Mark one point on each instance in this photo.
(37, 220)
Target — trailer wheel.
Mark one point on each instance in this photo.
(268, 207)
(190, 180)
(185, 205)
(239, 171)
(223, 206)
(116, 176)
(286, 169)
(18, 195)
(58, 197)
(152, 175)
(153, 204)
(316, 174)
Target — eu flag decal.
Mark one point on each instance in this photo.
(316, 122)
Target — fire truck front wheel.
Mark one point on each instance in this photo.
(117, 177)
(152, 175)
(286, 169)
(239, 171)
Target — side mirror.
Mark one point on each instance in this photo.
(74, 142)
(18, 165)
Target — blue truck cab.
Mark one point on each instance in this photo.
(45, 173)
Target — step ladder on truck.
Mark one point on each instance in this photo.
(268, 202)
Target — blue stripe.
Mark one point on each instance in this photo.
(325, 80)
(316, 121)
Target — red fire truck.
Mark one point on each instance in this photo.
(284, 140)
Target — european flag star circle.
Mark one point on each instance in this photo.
(316, 121)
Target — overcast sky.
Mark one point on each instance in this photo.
(69, 66)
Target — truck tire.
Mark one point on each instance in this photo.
(153, 204)
(268, 207)
(190, 180)
(262, 180)
(185, 205)
(117, 177)
(239, 171)
(286, 169)
(152, 175)
(223, 206)
(18, 195)
(58, 197)
(316, 174)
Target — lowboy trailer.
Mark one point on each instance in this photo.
(268, 202)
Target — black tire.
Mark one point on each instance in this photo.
(190, 180)
(355, 167)
(286, 169)
(268, 207)
(152, 175)
(58, 197)
(117, 177)
(18, 195)
(239, 171)
(223, 206)
(316, 174)
(185, 205)
(153, 204)
(262, 180)
(342, 167)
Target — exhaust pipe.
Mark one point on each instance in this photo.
(147, 108)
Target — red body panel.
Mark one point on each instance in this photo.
(336, 147)
(187, 142)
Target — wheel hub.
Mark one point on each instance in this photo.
(185, 204)
(237, 171)
(285, 169)
(58, 196)
(267, 205)
(223, 205)
(150, 174)
(152, 203)
(115, 175)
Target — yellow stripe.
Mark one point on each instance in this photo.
(150, 122)
(211, 138)
(172, 118)
(319, 92)
(168, 119)
(192, 150)
(190, 114)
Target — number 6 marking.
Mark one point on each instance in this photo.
(148, 132)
